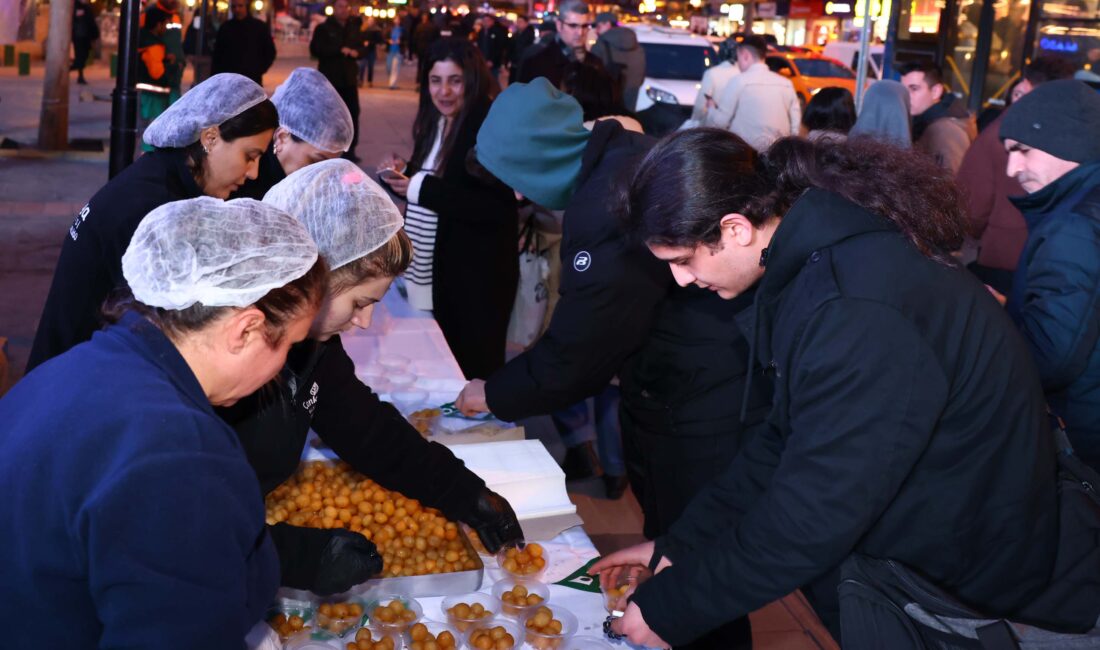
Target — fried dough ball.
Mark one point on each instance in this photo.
(285, 625)
(421, 639)
(543, 623)
(519, 597)
(524, 562)
(412, 539)
(496, 638)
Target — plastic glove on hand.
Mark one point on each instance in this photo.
(349, 559)
(495, 521)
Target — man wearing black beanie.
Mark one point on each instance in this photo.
(1052, 136)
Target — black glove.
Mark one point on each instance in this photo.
(494, 520)
(324, 561)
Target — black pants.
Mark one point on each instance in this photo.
(350, 95)
(81, 49)
(665, 472)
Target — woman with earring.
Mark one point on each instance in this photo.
(207, 143)
(314, 125)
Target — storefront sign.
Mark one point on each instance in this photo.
(838, 8)
(766, 10)
(806, 8)
(1057, 45)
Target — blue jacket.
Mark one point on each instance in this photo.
(132, 518)
(1056, 299)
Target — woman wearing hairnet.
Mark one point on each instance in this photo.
(135, 520)
(358, 232)
(207, 143)
(314, 125)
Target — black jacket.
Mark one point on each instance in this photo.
(520, 44)
(908, 423)
(318, 388)
(90, 265)
(270, 173)
(475, 267)
(610, 291)
(245, 47)
(493, 43)
(549, 59)
(85, 27)
(341, 70)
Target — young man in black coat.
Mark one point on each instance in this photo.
(336, 44)
(908, 423)
(681, 368)
(243, 45)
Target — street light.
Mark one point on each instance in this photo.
(258, 5)
(328, 10)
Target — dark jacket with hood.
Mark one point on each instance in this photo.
(620, 314)
(1055, 299)
(624, 59)
(90, 265)
(907, 423)
(994, 221)
(945, 131)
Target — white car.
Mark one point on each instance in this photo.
(675, 60)
(848, 54)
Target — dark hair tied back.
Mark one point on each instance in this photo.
(255, 120)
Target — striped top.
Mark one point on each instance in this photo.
(420, 225)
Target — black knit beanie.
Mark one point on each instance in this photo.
(1061, 118)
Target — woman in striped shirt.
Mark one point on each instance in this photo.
(464, 228)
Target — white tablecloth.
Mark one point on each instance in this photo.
(400, 330)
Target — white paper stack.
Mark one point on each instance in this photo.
(523, 472)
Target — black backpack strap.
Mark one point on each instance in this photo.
(997, 636)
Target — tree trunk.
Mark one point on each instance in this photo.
(53, 127)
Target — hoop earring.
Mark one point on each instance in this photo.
(205, 149)
(275, 148)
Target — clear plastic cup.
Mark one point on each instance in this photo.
(408, 400)
(533, 588)
(619, 583)
(540, 639)
(401, 380)
(494, 631)
(387, 617)
(524, 562)
(432, 631)
(372, 637)
(341, 618)
(394, 362)
(289, 617)
(463, 611)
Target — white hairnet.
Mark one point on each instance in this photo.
(310, 108)
(210, 103)
(347, 213)
(218, 253)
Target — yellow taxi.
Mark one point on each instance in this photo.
(810, 72)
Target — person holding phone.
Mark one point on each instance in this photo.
(464, 230)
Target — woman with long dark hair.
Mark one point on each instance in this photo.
(207, 143)
(907, 421)
(464, 229)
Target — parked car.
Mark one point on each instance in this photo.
(811, 72)
(675, 60)
(847, 53)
